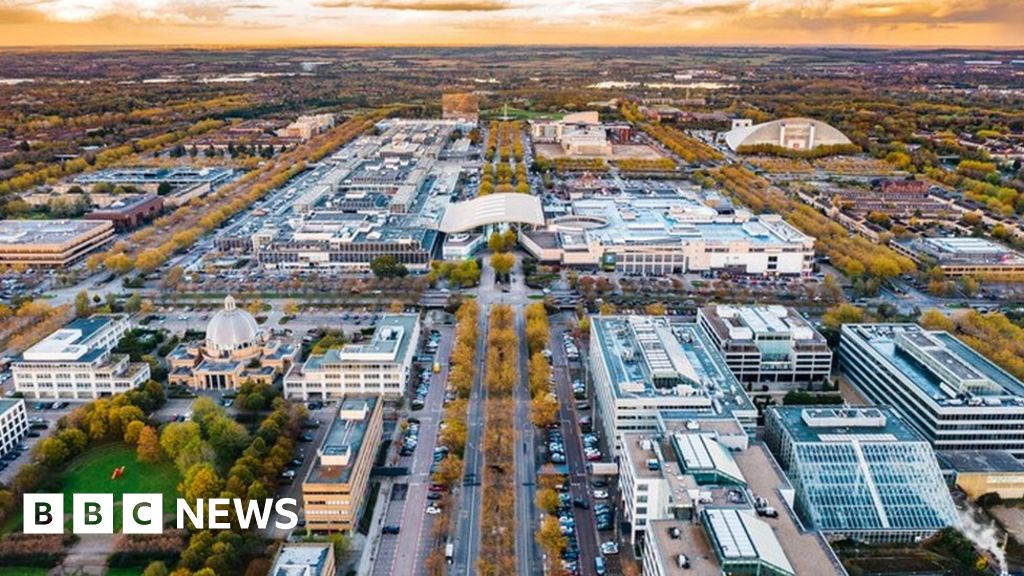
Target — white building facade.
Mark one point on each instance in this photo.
(13, 424)
(77, 362)
(380, 366)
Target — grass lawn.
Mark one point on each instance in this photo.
(91, 472)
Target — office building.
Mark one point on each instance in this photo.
(642, 365)
(771, 345)
(77, 362)
(963, 256)
(235, 351)
(129, 211)
(860, 473)
(334, 489)
(50, 243)
(578, 135)
(305, 127)
(670, 478)
(13, 423)
(304, 559)
(379, 366)
(949, 393)
(984, 472)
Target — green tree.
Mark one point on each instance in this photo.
(155, 569)
(388, 266)
(83, 307)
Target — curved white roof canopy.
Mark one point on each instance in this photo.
(492, 209)
(787, 132)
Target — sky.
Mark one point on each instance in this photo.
(938, 23)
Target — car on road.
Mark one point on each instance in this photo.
(609, 548)
(433, 509)
(390, 529)
(581, 503)
(600, 494)
(600, 566)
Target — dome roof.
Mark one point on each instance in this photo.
(231, 328)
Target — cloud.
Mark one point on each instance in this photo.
(11, 15)
(422, 5)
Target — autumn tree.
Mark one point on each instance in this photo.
(503, 263)
(149, 449)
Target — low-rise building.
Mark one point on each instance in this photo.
(949, 393)
(670, 233)
(13, 424)
(50, 243)
(771, 345)
(963, 256)
(984, 472)
(860, 473)
(642, 365)
(129, 211)
(334, 489)
(378, 366)
(235, 350)
(304, 559)
(305, 127)
(77, 362)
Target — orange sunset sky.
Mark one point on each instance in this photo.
(937, 23)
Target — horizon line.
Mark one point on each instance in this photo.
(297, 45)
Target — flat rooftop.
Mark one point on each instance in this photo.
(144, 175)
(979, 461)
(46, 232)
(692, 542)
(344, 440)
(750, 323)
(301, 560)
(946, 370)
(648, 357)
(806, 550)
(965, 250)
(6, 404)
(390, 342)
(73, 342)
(628, 220)
(833, 423)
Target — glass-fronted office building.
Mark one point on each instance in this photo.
(860, 473)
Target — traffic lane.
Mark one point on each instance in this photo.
(294, 489)
(467, 533)
(586, 525)
(526, 548)
(412, 542)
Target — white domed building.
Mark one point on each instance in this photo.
(791, 133)
(234, 351)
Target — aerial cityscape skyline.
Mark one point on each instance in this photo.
(499, 309)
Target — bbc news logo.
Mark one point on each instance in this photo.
(144, 513)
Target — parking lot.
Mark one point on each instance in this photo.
(405, 553)
(588, 515)
(37, 411)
